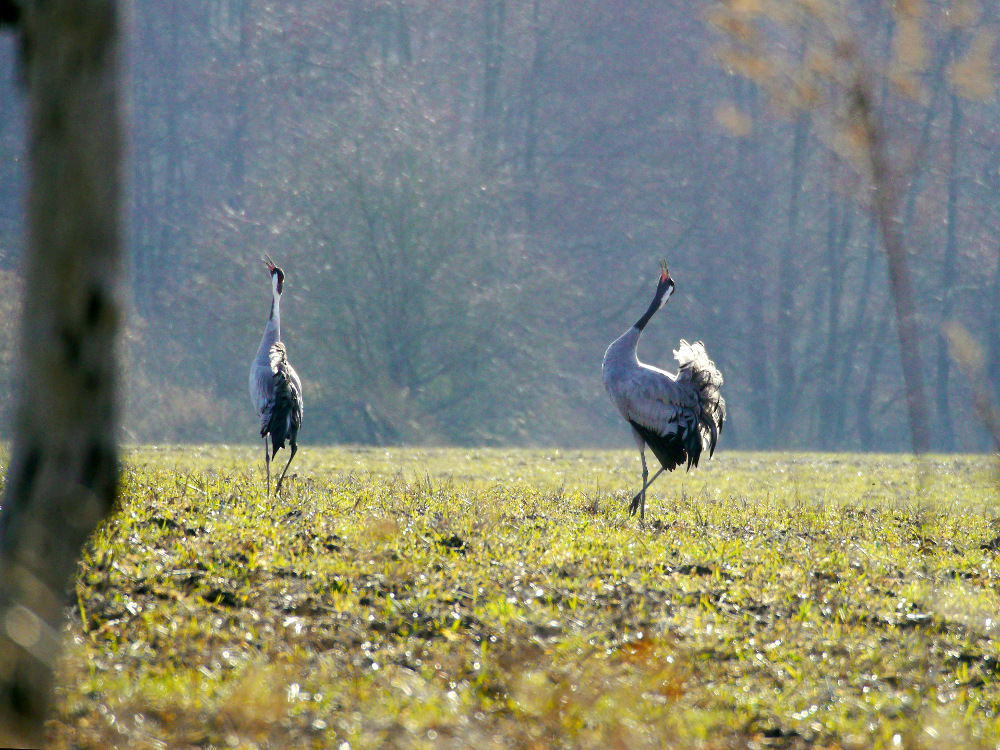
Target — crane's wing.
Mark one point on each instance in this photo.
(664, 413)
(261, 386)
(283, 415)
(681, 415)
(296, 385)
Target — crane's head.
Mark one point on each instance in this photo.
(277, 275)
(666, 285)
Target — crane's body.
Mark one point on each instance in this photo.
(677, 415)
(275, 388)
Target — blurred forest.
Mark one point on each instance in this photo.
(469, 200)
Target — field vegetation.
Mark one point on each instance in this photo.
(504, 598)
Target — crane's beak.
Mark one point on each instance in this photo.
(270, 263)
(664, 271)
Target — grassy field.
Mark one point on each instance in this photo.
(504, 598)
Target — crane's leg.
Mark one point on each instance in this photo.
(639, 501)
(642, 505)
(267, 465)
(277, 487)
(642, 492)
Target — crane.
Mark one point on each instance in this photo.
(676, 415)
(275, 388)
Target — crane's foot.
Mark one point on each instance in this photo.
(639, 504)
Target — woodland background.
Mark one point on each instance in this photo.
(469, 199)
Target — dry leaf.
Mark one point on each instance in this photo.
(747, 7)
(961, 13)
(964, 350)
(908, 9)
(909, 50)
(734, 122)
(747, 64)
(973, 76)
(908, 85)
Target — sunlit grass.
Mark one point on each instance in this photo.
(504, 598)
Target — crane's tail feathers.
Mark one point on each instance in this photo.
(283, 415)
(697, 369)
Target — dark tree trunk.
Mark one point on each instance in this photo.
(886, 208)
(63, 473)
(864, 404)
(993, 363)
(786, 373)
(239, 134)
(849, 369)
(830, 398)
(494, 26)
(948, 274)
(532, 103)
(749, 209)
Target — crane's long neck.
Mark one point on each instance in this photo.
(653, 307)
(275, 317)
(622, 352)
(272, 331)
(621, 357)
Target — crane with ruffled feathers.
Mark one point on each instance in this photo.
(275, 388)
(678, 415)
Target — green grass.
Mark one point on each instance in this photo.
(488, 598)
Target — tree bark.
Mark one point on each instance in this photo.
(753, 178)
(830, 399)
(62, 479)
(887, 217)
(993, 363)
(494, 23)
(786, 374)
(863, 405)
(859, 322)
(948, 277)
(238, 134)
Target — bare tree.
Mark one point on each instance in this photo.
(844, 86)
(885, 180)
(785, 362)
(63, 474)
(948, 278)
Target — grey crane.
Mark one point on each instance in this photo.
(275, 388)
(676, 415)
